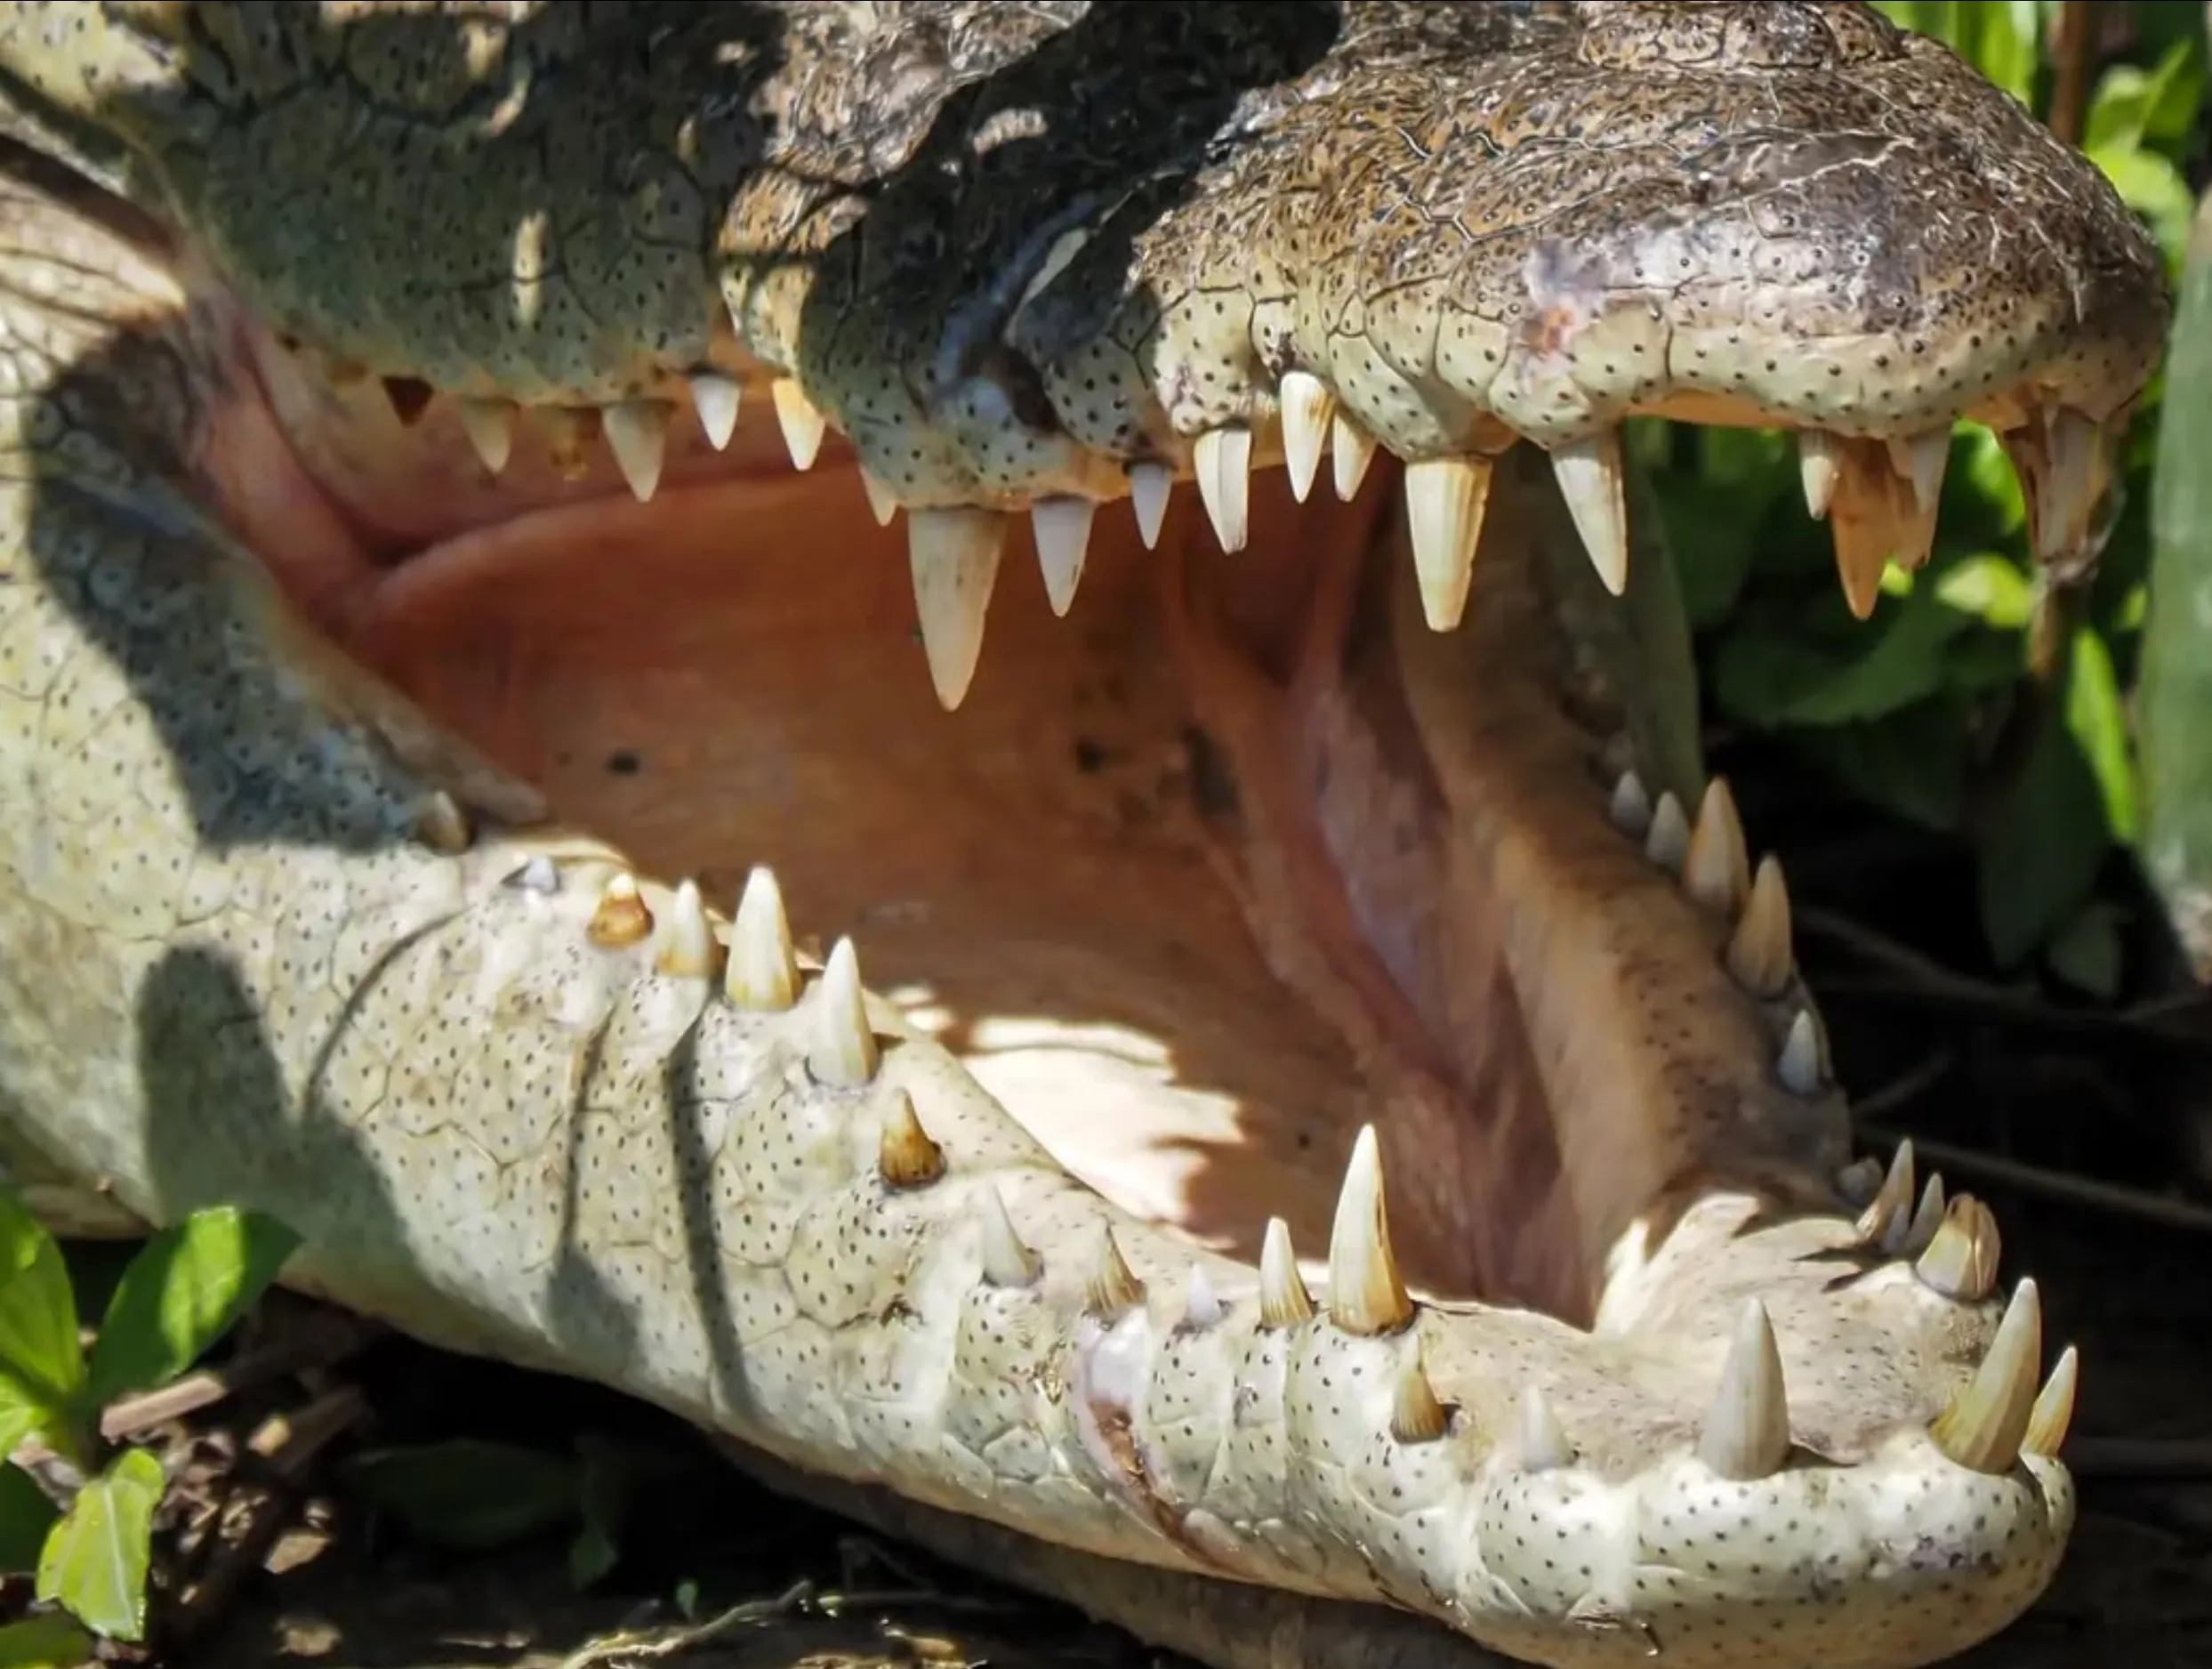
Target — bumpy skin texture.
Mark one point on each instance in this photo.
(235, 970)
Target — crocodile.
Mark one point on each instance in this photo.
(503, 506)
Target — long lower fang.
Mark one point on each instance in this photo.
(954, 555)
(1222, 462)
(1444, 500)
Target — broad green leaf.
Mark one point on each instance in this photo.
(182, 1294)
(470, 1494)
(1772, 681)
(52, 1641)
(2096, 714)
(2133, 107)
(2154, 189)
(96, 1558)
(1988, 587)
(41, 1363)
(27, 1512)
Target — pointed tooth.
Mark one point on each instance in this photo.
(1590, 479)
(1800, 1066)
(1817, 465)
(844, 1052)
(541, 875)
(490, 427)
(1987, 1421)
(762, 973)
(1544, 1446)
(1111, 1286)
(2073, 480)
(1417, 1414)
(1908, 1238)
(906, 1155)
(1760, 958)
(1061, 529)
(636, 434)
(621, 918)
(1667, 843)
(443, 827)
(1307, 406)
(1715, 869)
(802, 425)
(1894, 1200)
(1222, 461)
(2054, 1410)
(1283, 1300)
(1874, 520)
(1366, 1296)
(570, 433)
(1444, 500)
(1747, 1434)
(1921, 462)
(1006, 1261)
(1631, 807)
(882, 503)
(1351, 450)
(717, 398)
(1149, 486)
(954, 558)
(1860, 1181)
(1961, 1260)
(1201, 1305)
(686, 938)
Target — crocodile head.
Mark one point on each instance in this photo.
(621, 387)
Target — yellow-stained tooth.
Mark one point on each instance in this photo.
(716, 398)
(1007, 1262)
(1111, 1286)
(1060, 528)
(883, 502)
(1307, 404)
(443, 827)
(1906, 1238)
(1893, 1201)
(1366, 1294)
(1149, 486)
(2065, 467)
(2054, 1410)
(955, 557)
(1222, 460)
(687, 945)
(1444, 500)
(1715, 867)
(1984, 1426)
(802, 425)
(1961, 1259)
(1747, 1432)
(1417, 1414)
(1351, 450)
(636, 434)
(490, 427)
(844, 1052)
(1875, 518)
(1283, 1300)
(1760, 958)
(1589, 474)
(1666, 842)
(906, 1155)
(1817, 466)
(762, 973)
(622, 917)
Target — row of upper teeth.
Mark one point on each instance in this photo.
(1879, 497)
(2000, 1415)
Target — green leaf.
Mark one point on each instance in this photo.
(41, 1363)
(1988, 587)
(470, 1494)
(2039, 863)
(2154, 189)
(182, 1294)
(52, 1641)
(96, 1558)
(27, 1512)
(2133, 107)
(2097, 714)
(1770, 680)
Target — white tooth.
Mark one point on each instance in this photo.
(1061, 527)
(540, 876)
(2054, 1410)
(1544, 1446)
(1922, 462)
(1351, 451)
(1667, 843)
(1631, 806)
(1366, 1294)
(1894, 1200)
(1006, 1261)
(1444, 500)
(954, 558)
(1817, 468)
(1910, 1239)
(1799, 1067)
(1283, 1300)
(1590, 479)
(716, 396)
(1202, 1307)
(845, 1050)
(490, 426)
(802, 425)
(637, 433)
(882, 503)
(687, 948)
(1747, 1433)
(762, 973)
(1223, 463)
(1307, 406)
(2076, 466)
(1149, 485)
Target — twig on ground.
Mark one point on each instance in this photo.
(318, 1341)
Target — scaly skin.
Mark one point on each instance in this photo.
(257, 950)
